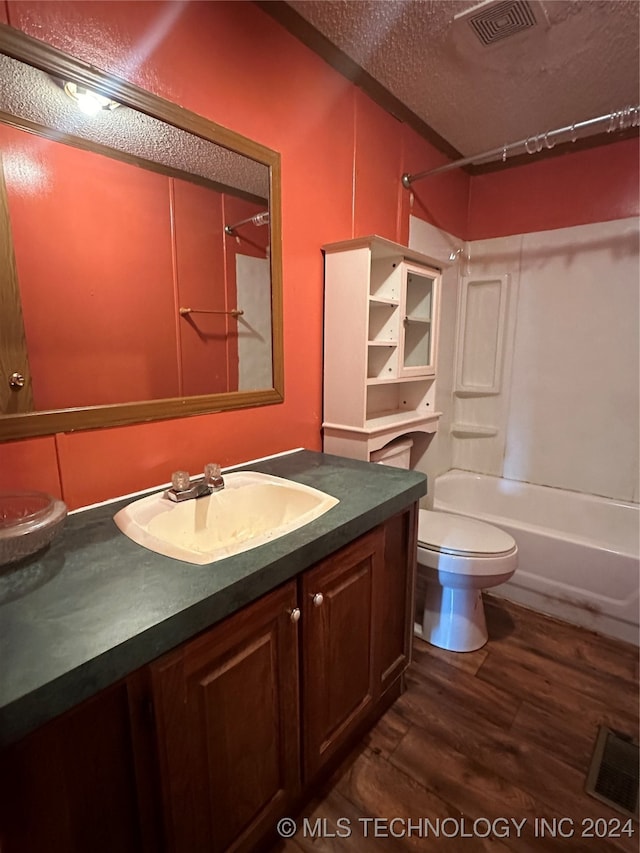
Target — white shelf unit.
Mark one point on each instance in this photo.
(381, 320)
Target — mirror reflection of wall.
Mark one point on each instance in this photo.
(140, 259)
(119, 250)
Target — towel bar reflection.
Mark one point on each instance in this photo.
(235, 312)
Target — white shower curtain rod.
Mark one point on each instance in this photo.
(618, 120)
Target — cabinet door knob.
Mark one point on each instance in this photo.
(294, 614)
(16, 381)
(318, 598)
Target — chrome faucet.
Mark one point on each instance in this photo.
(183, 488)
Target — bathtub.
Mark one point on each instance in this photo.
(578, 554)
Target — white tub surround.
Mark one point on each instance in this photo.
(545, 385)
(578, 554)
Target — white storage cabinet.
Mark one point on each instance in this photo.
(380, 344)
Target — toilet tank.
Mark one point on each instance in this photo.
(397, 453)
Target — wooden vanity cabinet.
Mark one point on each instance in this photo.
(203, 750)
(227, 724)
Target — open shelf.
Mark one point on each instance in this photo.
(382, 300)
(405, 417)
(384, 322)
(394, 381)
(401, 400)
(473, 430)
(382, 360)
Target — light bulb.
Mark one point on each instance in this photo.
(89, 102)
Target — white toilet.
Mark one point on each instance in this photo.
(460, 557)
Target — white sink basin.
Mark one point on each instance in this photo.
(252, 509)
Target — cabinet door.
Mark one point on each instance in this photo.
(338, 671)
(394, 597)
(419, 310)
(227, 726)
(70, 786)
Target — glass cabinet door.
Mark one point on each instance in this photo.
(417, 357)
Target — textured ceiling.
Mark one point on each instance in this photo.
(35, 96)
(580, 63)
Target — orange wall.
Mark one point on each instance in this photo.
(593, 185)
(342, 157)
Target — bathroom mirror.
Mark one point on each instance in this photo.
(140, 253)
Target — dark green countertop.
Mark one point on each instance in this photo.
(95, 606)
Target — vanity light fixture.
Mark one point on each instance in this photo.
(88, 101)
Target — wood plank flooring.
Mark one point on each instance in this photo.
(484, 739)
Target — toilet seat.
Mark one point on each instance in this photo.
(460, 536)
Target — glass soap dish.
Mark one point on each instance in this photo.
(28, 522)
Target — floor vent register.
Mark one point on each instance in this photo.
(615, 771)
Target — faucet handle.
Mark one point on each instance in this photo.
(180, 480)
(212, 475)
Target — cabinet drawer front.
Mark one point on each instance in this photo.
(338, 647)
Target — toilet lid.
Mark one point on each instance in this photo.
(461, 536)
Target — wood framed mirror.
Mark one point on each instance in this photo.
(140, 253)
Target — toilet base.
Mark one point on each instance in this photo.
(453, 619)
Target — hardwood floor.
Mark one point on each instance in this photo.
(487, 739)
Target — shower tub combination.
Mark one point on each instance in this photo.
(578, 554)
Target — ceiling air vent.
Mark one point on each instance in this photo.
(495, 21)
